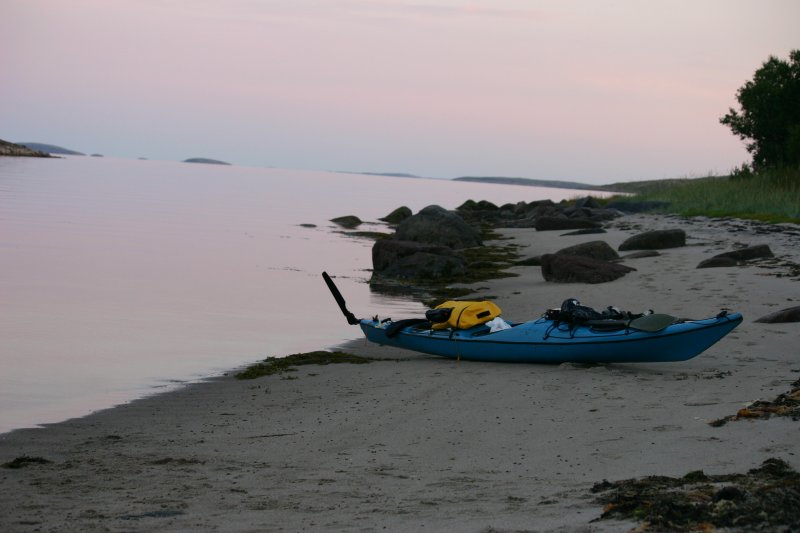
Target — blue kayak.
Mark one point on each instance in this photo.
(645, 339)
(547, 341)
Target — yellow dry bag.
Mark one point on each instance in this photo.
(464, 315)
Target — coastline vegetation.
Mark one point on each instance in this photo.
(769, 195)
(768, 189)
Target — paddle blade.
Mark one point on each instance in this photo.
(654, 322)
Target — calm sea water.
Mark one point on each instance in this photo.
(121, 278)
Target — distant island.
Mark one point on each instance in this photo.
(205, 160)
(531, 182)
(50, 148)
(387, 174)
(497, 180)
(10, 149)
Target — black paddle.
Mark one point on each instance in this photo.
(351, 318)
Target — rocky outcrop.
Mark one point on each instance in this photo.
(791, 314)
(412, 260)
(17, 150)
(576, 269)
(436, 225)
(544, 215)
(425, 248)
(655, 240)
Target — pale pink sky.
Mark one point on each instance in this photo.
(583, 90)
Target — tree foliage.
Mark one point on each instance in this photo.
(769, 120)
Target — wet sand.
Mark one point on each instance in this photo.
(419, 442)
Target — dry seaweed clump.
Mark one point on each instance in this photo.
(786, 404)
(275, 365)
(766, 498)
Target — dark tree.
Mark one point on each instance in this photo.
(769, 120)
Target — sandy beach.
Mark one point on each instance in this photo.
(418, 442)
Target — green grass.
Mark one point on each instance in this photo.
(769, 196)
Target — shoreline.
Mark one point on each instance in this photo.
(421, 441)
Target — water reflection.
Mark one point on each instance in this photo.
(120, 276)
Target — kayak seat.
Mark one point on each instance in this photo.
(394, 328)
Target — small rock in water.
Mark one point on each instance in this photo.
(349, 221)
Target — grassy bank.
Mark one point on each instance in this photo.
(770, 196)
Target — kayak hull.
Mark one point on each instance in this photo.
(544, 341)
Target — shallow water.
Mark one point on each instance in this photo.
(121, 278)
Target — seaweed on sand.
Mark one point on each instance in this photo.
(274, 365)
(786, 404)
(765, 498)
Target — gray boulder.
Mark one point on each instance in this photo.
(792, 314)
(737, 257)
(436, 225)
(576, 269)
(587, 201)
(655, 240)
(592, 249)
(751, 252)
(413, 260)
(472, 205)
(718, 262)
